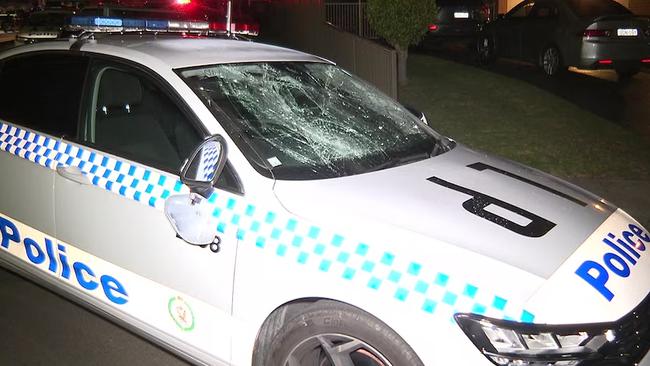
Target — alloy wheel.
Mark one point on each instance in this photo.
(551, 61)
(334, 350)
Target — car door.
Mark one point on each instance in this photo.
(509, 30)
(134, 135)
(39, 103)
(540, 29)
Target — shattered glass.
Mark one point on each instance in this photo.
(310, 120)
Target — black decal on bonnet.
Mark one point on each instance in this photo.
(482, 166)
(476, 205)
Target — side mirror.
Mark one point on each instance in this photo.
(190, 214)
(201, 171)
(420, 115)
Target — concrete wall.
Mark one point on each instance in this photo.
(301, 25)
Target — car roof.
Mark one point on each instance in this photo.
(176, 51)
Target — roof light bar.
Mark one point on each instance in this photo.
(106, 24)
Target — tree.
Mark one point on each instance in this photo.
(401, 23)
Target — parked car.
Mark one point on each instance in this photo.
(245, 204)
(556, 34)
(458, 19)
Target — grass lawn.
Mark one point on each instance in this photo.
(519, 121)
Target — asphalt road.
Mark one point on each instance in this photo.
(41, 328)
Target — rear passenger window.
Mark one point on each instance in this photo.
(131, 116)
(43, 92)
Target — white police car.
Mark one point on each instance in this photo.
(314, 221)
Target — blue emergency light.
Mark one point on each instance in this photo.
(108, 24)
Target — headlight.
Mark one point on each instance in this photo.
(508, 343)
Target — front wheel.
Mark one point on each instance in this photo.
(328, 333)
(551, 61)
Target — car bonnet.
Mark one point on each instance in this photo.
(494, 207)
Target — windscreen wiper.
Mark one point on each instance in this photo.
(399, 161)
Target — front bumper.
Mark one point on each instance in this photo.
(624, 342)
(632, 341)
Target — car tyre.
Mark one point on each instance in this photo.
(485, 50)
(551, 61)
(330, 333)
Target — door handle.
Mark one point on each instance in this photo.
(72, 173)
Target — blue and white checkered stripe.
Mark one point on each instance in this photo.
(126, 179)
(209, 160)
(407, 281)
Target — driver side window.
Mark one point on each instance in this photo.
(131, 117)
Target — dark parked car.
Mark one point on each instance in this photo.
(556, 34)
(458, 18)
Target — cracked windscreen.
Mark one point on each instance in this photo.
(310, 120)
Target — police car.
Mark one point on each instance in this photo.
(239, 203)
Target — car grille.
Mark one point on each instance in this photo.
(632, 339)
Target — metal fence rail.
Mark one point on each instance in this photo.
(350, 17)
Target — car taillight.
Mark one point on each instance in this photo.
(596, 33)
(218, 26)
(245, 28)
(183, 2)
(485, 10)
(250, 29)
(606, 62)
(646, 60)
(433, 27)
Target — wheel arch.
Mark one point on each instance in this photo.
(284, 312)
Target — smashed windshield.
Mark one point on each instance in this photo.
(310, 120)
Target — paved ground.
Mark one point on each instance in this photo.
(40, 328)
